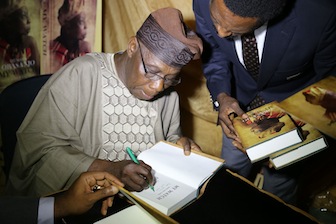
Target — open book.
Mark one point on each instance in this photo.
(178, 177)
(269, 129)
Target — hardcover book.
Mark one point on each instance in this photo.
(269, 129)
(316, 105)
(178, 178)
(313, 142)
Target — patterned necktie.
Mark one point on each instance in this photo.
(251, 61)
(250, 54)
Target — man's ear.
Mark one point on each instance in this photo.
(133, 46)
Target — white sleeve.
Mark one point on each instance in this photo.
(46, 211)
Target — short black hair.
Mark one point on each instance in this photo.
(264, 10)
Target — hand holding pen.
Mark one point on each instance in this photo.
(135, 160)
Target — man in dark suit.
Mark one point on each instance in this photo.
(296, 46)
(78, 199)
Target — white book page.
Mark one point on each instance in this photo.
(273, 145)
(171, 161)
(300, 153)
(169, 195)
(132, 214)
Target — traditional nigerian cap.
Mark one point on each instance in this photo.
(69, 10)
(7, 7)
(166, 35)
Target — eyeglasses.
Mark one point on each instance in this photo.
(155, 77)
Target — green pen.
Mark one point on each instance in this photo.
(135, 160)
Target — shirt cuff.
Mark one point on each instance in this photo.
(46, 211)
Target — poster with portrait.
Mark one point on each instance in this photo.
(39, 37)
(19, 40)
(68, 31)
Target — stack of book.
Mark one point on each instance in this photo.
(289, 131)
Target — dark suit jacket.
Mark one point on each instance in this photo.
(15, 210)
(299, 49)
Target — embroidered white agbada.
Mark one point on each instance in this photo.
(62, 133)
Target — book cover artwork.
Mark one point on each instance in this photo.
(313, 142)
(264, 123)
(316, 105)
(19, 41)
(68, 31)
